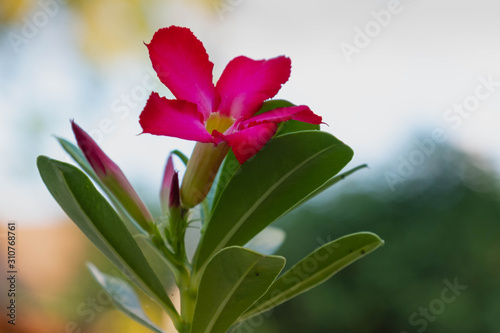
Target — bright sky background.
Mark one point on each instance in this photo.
(421, 61)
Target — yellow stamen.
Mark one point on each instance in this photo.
(218, 122)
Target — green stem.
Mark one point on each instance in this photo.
(188, 302)
(158, 242)
(184, 281)
(180, 265)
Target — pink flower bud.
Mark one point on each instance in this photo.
(166, 185)
(174, 198)
(113, 178)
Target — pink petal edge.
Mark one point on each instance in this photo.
(182, 64)
(179, 119)
(300, 113)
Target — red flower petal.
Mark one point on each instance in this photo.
(246, 83)
(300, 113)
(248, 142)
(175, 118)
(182, 64)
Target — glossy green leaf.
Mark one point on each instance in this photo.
(275, 181)
(316, 268)
(124, 297)
(267, 241)
(90, 211)
(77, 155)
(233, 280)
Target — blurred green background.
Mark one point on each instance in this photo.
(436, 205)
(443, 226)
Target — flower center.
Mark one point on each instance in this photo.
(218, 122)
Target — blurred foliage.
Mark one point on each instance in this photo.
(56, 292)
(443, 225)
(105, 29)
(11, 11)
(89, 296)
(112, 27)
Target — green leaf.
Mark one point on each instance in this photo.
(288, 169)
(156, 260)
(233, 280)
(152, 254)
(229, 168)
(77, 155)
(316, 268)
(90, 211)
(123, 297)
(162, 268)
(267, 241)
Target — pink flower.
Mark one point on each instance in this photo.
(210, 113)
(220, 117)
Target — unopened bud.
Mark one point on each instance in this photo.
(201, 171)
(113, 178)
(174, 199)
(166, 185)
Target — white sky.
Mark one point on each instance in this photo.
(426, 59)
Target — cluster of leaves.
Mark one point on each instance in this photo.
(228, 281)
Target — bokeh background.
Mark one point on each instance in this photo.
(412, 86)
